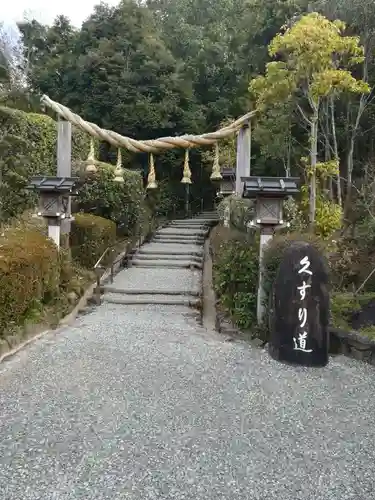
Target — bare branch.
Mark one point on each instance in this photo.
(303, 114)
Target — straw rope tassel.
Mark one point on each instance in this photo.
(119, 173)
(216, 174)
(151, 179)
(186, 178)
(90, 162)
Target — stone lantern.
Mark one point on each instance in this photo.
(54, 194)
(269, 194)
(227, 182)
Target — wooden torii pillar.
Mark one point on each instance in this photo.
(243, 161)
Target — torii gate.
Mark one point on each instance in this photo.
(242, 127)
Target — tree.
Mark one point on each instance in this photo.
(360, 18)
(313, 60)
(47, 53)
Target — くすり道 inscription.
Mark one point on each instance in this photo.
(300, 344)
(300, 308)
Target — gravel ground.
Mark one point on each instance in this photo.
(142, 403)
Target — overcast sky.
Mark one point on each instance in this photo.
(45, 11)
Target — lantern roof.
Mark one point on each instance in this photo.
(53, 184)
(228, 172)
(278, 187)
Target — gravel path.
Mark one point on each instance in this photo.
(141, 403)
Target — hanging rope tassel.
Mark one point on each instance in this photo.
(186, 178)
(119, 173)
(151, 179)
(90, 162)
(216, 173)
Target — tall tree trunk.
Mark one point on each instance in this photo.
(353, 135)
(313, 161)
(287, 163)
(335, 150)
(327, 149)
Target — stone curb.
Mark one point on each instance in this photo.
(352, 344)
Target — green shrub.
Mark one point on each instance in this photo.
(29, 275)
(235, 273)
(28, 145)
(90, 236)
(354, 258)
(345, 305)
(118, 202)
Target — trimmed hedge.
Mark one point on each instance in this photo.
(27, 148)
(29, 274)
(90, 236)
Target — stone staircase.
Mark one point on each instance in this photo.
(168, 269)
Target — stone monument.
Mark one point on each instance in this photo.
(299, 308)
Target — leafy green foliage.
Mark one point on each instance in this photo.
(90, 237)
(353, 260)
(241, 211)
(344, 306)
(236, 274)
(29, 274)
(314, 53)
(118, 202)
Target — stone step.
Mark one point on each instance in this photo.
(157, 256)
(187, 222)
(191, 235)
(167, 251)
(151, 292)
(191, 226)
(190, 222)
(199, 230)
(178, 300)
(175, 242)
(190, 230)
(166, 263)
(180, 235)
(178, 241)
